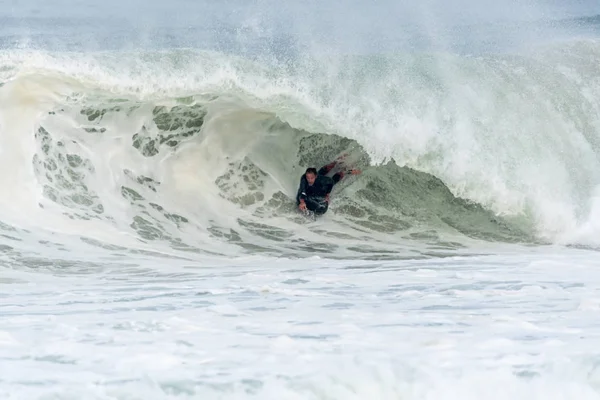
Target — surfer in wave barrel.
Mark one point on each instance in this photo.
(315, 187)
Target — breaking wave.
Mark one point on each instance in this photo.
(203, 151)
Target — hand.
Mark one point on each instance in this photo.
(327, 197)
(355, 171)
(302, 206)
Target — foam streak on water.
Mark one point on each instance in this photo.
(496, 327)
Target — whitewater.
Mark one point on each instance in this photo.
(151, 247)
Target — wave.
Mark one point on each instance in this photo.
(203, 151)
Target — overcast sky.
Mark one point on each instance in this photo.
(340, 24)
(196, 12)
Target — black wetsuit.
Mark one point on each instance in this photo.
(314, 195)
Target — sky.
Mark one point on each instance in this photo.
(197, 12)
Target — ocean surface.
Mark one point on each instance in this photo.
(150, 244)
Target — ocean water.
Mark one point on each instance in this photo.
(150, 243)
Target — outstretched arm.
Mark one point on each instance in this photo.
(301, 195)
(326, 168)
(340, 175)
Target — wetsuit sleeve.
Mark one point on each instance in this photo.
(326, 168)
(301, 190)
(337, 177)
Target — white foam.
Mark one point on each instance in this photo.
(172, 334)
(516, 156)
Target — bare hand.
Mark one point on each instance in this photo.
(302, 206)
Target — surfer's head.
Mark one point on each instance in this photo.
(311, 175)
